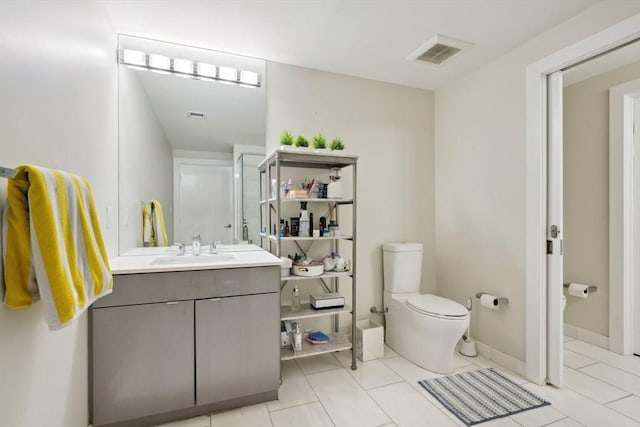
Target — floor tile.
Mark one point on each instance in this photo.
(575, 360)
(460, 361)
(408, 371)
(389, 353)
(374, 374)
(254, 416)
(345, 401)
(320, 363)
(311, 415)
(580, 408)
(591, 387)
(626, 363)
(614, 376)
(538, 417)
(483, 362)
(344, 358)
(499, 422)
(567, 339)
(294, 390)
(390, 425)
(204, 421)
(407, 407)
(565, 422)
(629, 406)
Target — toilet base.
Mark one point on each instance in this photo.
(468, 347)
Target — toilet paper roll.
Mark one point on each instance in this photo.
(578, 290)
(489, 301)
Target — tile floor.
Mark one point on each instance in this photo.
(602, 389)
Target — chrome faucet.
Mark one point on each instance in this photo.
(180, 248)
(213, 249)
(196, 242)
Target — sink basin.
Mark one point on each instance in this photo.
(190, 259)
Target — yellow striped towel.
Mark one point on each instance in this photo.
(154, 232)
(53, 246)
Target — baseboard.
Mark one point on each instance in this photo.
(586, 336)
(502, 359)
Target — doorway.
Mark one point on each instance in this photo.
(543, 325)
(203, 201)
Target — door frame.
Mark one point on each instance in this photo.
(624, 201)
(536, 188)
(177, 162)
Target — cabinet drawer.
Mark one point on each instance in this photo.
(146, 288)
(237, 281)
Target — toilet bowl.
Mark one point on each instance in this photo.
(423, 328)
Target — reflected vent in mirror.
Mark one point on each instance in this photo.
(196, 115)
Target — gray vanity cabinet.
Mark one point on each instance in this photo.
(235, 349)
(145, 355)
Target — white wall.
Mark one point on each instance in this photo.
(57, 109)
(480, 172)
(391, 128)
(586, 195)
(146, 161)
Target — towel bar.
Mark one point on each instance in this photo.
(590, 289)
(7, 172)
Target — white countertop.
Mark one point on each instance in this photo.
(166, 259)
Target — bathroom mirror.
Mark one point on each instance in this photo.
(186, 116)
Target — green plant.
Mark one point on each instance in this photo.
(336, 144)
(319, 141)
(301, 141)
(286, 138)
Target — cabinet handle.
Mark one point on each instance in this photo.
(215, 299)
(172, 302)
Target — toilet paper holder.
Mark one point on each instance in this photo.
(501, 301)
(590, 289)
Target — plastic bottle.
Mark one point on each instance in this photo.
(295, 299)
(297, 338)
(245, 231)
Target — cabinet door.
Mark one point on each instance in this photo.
(143, 360)
(237, 347)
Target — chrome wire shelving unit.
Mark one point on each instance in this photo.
(272, 204)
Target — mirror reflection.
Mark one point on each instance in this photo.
(191, 130)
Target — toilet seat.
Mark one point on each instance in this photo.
(435, 306)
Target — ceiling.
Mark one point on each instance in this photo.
(368, 39)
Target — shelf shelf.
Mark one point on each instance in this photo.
(327, 275)
(313, 200)
(306, 312)
(308, 159)
(272, 237)
(337, 342)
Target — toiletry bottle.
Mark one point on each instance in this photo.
(310, 225)
(297, 338)
(287, 231)
(323, 224)
(295, 299)
(304, 220)
(245, 230)
(281, 228)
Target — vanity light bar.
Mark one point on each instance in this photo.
(186, 68)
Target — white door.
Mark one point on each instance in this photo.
(204, 203)
(554, 230)
(636, 279)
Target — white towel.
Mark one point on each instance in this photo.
(53, 246)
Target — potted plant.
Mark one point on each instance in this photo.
(319, 142)
(286, 140)
(336, 144)
(302, 143)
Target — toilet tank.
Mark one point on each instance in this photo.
(402, 263)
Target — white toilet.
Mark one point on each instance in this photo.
(423, 328)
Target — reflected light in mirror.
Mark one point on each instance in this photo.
(160, 62)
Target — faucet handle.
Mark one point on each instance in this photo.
(196, 238)
(180, 247)
(214, 247)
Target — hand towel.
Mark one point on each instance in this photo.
(154, 232)
(53, 245)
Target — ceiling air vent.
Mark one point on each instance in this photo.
(438, 50)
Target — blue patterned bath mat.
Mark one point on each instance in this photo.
(478, 396)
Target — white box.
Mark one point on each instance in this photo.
(327, 301)
(334, 190)
(369, 340)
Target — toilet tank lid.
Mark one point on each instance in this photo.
(402, 247)
(433, 304)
